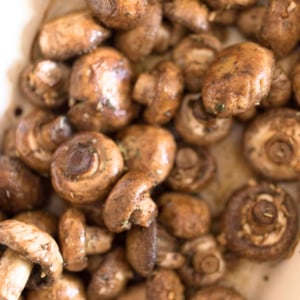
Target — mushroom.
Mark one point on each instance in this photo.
(271, 144)
(223, 17)
(229, 4)
(261, 222)
(67, 287)
(26, 246)
(250, 114)
(193, 169)
(161, 91)
(164, 284)
(185, 216)
(9, 141)
(164, 37)
(129, 202)
(111, 277)
(84, 168)
(196, 126)
(37, 137)
(121, 15)
(134, 292)
(193, 55)
(238, 80)
(217, 293)
(45, 83)
(190, 13)
(20, 189)
(205, 264)
(77, 240)
(296, 82)
(148, 149)
(71, 35)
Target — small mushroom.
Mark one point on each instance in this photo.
(46, 84)
(271, 144)
(205, 264)
(129, 202)
(71, 35)
(148, 149)
(77, 240)
(185, 216)
(229, 4)
(20, 189)
(121, 15)
(190, 13)
(67, 287)
(37, 137)
(164, 284)
(261, 222)
(84, 168)
(134, 292)
(238, 80)
(296, 82)
(193, 169)
(111, 277)
(161, 91)
(26, 245)
(196, 126)
(193, 55)
(217, 293)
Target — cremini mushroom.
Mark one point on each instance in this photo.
(261, 222)
(77, 240)
(84, 168)
(161, 91)
(71, 35)
(217, 293)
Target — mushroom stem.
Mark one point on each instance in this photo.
(96, 240)
(144, 90)
(14, 273)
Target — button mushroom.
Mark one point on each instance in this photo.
(84, 168)
(217, 293)
(261, 222)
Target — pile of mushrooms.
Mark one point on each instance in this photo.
(128, 100)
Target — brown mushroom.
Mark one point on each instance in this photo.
(111, 277)
(223, 17)
(67, 287)
(77, 240)
(193, 55)
(189, 13)
(296, 82)
(238, 79)
(37, 137)
(193, 169)
(217, 293)
(228, 4)
(271, 144)
(205, 264)
(20, 189)
(261, 222)
(164, 37)
(134, 292)
(196, 126)
(27, 245)
(185, 216)
(84, 168)
(122, 15)
(129, 202)
(71, 35)
(248, 115)
(280, 26)
(161, 91)
(148, 149)
(46, 83)
(164, 284)
(9, 141)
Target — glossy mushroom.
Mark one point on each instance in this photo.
(261, 222)
(217, 293)
(84, 168)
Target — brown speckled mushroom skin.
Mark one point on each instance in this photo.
(261, 222)
(238, 79)
(228, 4)
(217, 293)
(84, 168)
(71, 35)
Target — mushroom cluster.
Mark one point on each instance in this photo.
(106, 183)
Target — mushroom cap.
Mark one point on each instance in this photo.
(36, 246)
(217, 293)
(272, 145)
(84, 168)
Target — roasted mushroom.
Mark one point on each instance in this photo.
(71, 35)
(84, 168)
(261, 222)
(77, 240)
(238, 79)
(223, 17)
(196, 126)
(228, 4)
(134, 292)
(271, 144)
(217, 293)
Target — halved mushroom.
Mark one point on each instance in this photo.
(261, 222)
(217, 293)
